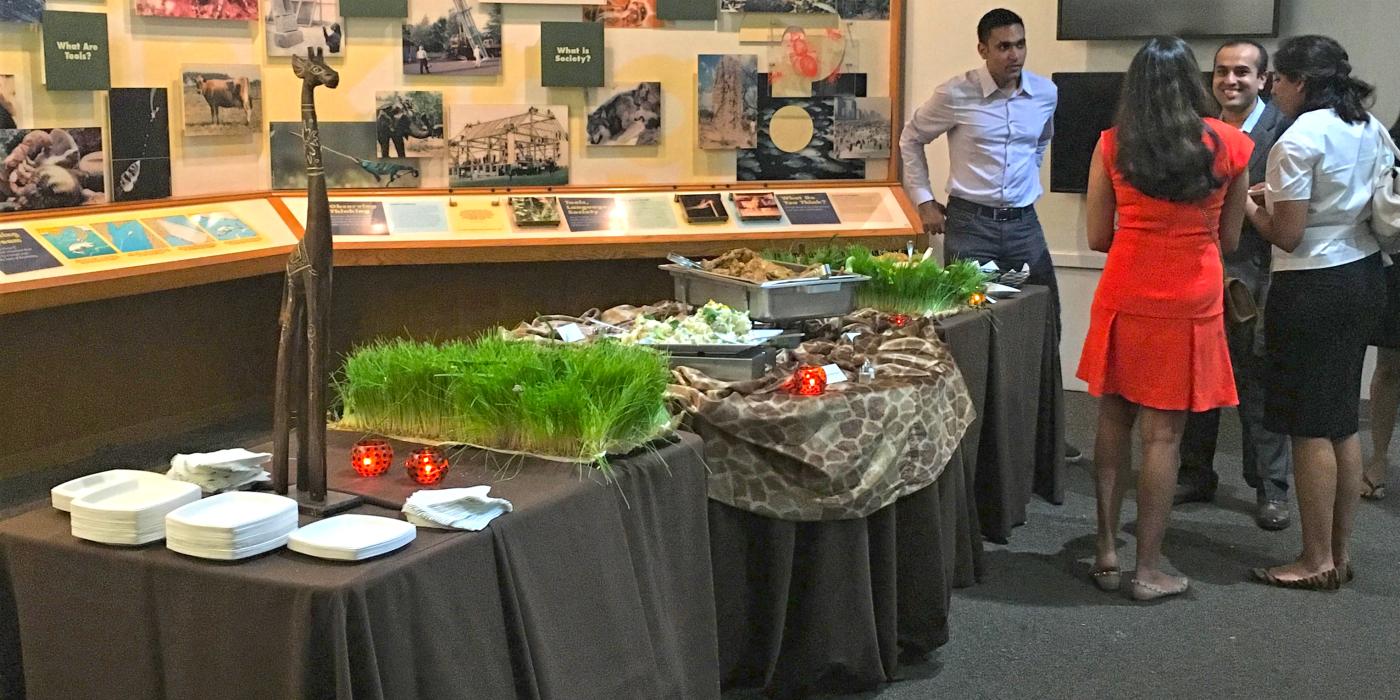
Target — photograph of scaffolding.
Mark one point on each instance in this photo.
(509, 145)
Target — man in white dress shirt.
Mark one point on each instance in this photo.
(998, 119)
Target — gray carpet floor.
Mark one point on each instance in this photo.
(1035, 628)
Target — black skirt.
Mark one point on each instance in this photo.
(1387, 333)
(1316, 331)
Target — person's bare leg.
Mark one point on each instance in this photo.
(1348, 451)
(1315, 476)
(1113, 462)
(1161, 441)
(1385, 399)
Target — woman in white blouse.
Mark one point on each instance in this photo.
(1326, 287)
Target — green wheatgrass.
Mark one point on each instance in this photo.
(895, 287)
(579, 401)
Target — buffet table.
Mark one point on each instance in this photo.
(586, 590)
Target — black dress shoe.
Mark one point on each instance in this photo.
(1272, 515)
(1188, 493)
(1072, 454)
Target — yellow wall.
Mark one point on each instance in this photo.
(148, 52)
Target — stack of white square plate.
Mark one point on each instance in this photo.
(231, 525)
(64, 493)
(352, 537)
(128, 511)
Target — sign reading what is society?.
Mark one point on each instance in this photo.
(571, 54)
(75, 51)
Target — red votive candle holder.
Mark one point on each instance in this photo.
(371, 457)
(977, 299)
(809, 381)
(426, 465)
(899, 320)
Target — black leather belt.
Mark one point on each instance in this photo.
(993, 213)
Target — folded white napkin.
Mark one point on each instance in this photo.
(224, 470)
(462, 509)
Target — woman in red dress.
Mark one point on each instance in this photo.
(1156, 350)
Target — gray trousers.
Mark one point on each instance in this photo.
(1267, 461)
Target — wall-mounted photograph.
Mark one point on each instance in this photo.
(409, 124)
(50, 168)
(508, 145)
(9, 102)
(624, 14)
(796, 142)
(22, 11)
(862, 127)
(293, 26)
(140, 129)
(849, 9)
(348, 153)
(728, 86)
(199, 9)
(629, 116)
(459, 37)
(222, 100)
(802, 57)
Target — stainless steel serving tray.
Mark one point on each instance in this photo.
(779, 300)
(715, 348)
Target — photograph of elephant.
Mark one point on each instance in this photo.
(627, 117)
(460, 37)
(9, 102)
(347, 152)
(51, 168)
(408, 124)
(222, 100)
(293, 26)
(199, 9)
(140, 124)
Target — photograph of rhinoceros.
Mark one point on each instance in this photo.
(222, 100)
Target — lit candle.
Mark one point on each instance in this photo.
(371, 456)
(427, 465)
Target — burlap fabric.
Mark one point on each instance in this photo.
(847, 453)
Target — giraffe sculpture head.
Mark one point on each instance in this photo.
(313, 71)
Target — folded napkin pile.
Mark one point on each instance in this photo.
(463, 509)
(224, 470)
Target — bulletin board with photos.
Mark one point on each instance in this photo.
(776, 114)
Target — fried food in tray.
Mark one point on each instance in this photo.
(745, 264)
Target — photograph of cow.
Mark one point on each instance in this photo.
(222, 100)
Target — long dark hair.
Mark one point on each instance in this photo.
(1395, 130)
(1324, 68)
(1160, 149)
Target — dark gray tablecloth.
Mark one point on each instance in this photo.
(833, 605)
(587, 590)
(1013, 349)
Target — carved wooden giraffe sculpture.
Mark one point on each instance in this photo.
(306, 297)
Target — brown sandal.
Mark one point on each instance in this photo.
(1371, 490)
(1328, 580)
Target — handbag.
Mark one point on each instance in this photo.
(1239, 303)
(1385, 204)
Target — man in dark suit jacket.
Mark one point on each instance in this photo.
(1241, 70)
